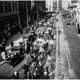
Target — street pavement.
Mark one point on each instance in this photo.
(73, 41)
(65, 70)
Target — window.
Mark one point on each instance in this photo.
(9, 7)
(6, 7)
(1, 6)
(16, 6)
(13, 7)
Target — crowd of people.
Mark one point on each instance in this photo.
(15, 52)
(41, 48)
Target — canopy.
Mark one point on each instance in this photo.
(6, 71)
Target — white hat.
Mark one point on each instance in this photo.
(15, 73)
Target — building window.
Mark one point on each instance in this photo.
(13, 5)
(6, 7)
(1, 6)
(9, 5)
(16, 6)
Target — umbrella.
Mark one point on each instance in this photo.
(40, 30)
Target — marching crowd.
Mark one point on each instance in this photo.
(41, 48)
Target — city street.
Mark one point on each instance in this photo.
(69, 42)
(64, 62)
(40, 39)
(73, 41)
(68, 46)
(66, 57)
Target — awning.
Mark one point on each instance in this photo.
(6, 71)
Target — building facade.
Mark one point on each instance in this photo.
(60, 4)
(24, 11)
(21, 12)
(8, 12)
(39, 10)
